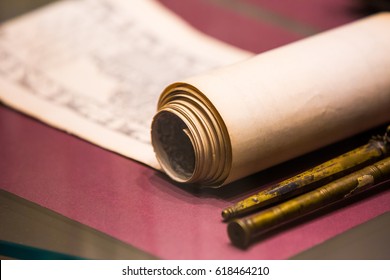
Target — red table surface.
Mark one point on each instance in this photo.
(140, 206)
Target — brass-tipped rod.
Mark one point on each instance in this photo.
(377, 148)
(243, 231)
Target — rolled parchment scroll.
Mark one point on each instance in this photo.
(218, 127)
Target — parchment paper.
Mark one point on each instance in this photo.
(95, 68)
(277, 105)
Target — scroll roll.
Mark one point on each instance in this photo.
(223, 125)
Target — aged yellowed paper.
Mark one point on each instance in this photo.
(243, 118)
(95, 68)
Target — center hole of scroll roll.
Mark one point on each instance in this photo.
(173, 146)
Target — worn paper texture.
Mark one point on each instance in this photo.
(289, 101)
(96, 68)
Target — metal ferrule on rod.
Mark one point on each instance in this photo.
(242, 231)
(374, 150)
